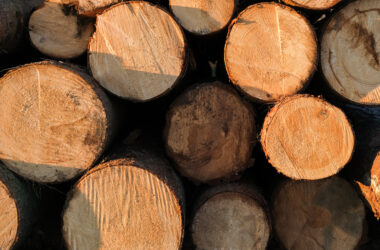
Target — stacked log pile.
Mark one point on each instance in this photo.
(204, 124)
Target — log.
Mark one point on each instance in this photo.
(203, 17)
(91, 8)
(138, 51)
(18, 210)
(350, 52)
(56, 30)
(210, 133)
(270, 52)
(324, 214)
(14, 16)
(307, 138)
(132, 201)
(54, 122)
(230, 216)
(313, 4)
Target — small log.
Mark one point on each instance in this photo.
(270, 51)
(203, 17)
(14, 16)
(230, 216)
(91, 8)
(18, 210)
(312, 4)
(54, 122)
(350, 52)
(210, 133)
(307, 138)
(56, 30)
(138, 51)
(315, 215)
(132, 201)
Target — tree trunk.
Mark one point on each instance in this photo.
(350, 55)
(18, 210)
(138, 51)
(210, 133)
(203, 17)
(56, 30)
(54, 122)
(132, 201)
(325, 214)
(14, 17)
(270, 52)
(313, 4)
(307, 138)
(230, 216)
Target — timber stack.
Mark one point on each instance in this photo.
(176, 124)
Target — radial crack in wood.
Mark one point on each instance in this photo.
(270, 51)
(138, 51)
(307, 138)
(350, 52)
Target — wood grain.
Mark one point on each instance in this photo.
(270, 51)
(57, 31)
(54, 121)
(210, 132)
(325, 214)
(230, 216)
(307, 138)
(133, 202)
(350, 52)
(203, 17)
(313, 4)
(138, 51)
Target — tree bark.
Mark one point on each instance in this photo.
(210, 133)
(270, 52)
(138, 51)
(133, 200)
(18, 211)
(325, 214)
(350, 52)
(307, 138)
(56, 30)
(230, 216)
(55, 122)
(203, 17)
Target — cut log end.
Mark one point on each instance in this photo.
(8, 218)
(120, 206)
(307, 138)
(313, 4)
(57, 31)
(324, 214)
(270, 52)
(54, 122)
(138, 51)
(230, 220)
(210, 133)
(350, 52)
(203, 17)
(371, 192)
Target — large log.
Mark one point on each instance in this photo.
(54, 121)
(230, 216)
(313, 4)
(18, 210)
(56, 30)
(134, 200)
(138, 51)
(305, 137)
(203, 17)
(315, 215)
(350, 52)
(14, 16)
(210, 132)
(270, 51)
